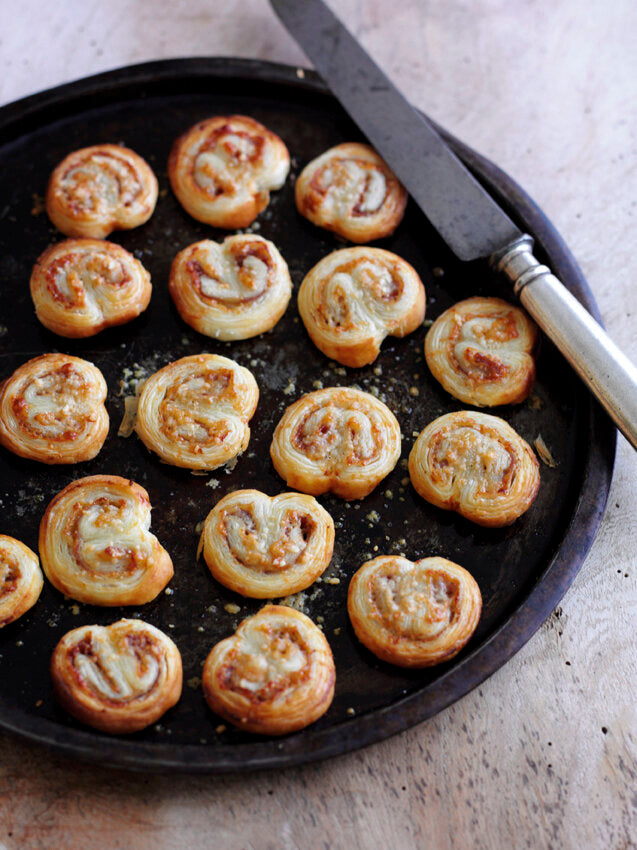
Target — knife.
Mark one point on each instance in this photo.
(466, 216)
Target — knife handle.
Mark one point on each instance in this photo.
(608, 373)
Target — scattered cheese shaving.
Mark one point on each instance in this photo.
(544, 452)
(127, 425)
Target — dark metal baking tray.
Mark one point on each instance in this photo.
(523, 570)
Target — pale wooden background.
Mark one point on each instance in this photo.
(547, 89)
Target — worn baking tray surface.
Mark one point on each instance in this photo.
(522, 570)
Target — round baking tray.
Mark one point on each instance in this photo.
(523, 570)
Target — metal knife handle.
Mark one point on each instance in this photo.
(602, 366)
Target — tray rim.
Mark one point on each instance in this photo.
(501, 645)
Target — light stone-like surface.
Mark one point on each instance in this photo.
(548, 91)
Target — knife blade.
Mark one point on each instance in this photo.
(465, 215)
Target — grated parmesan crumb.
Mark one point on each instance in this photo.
(232, 608)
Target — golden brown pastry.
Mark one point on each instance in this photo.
(52, 410)
(352, 299)
(477, 465)
(413, 614)
(265, 547)
(339, 440)
(349, 189)
(481, 351)
(118, 678)
(96, 190)
(20, 579)
(96, 546)
(81, 286)
(195, 412)
(273, 676)
(223, 169)
(235, 290)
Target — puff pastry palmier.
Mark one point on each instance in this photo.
(223, 169)
(96, 546)
(20, 579)
(273, 676)
(413, 614)
(477, 465)
(195, 411)
(52, 410)
(81, 286)
(339, 440)
(265, 547)
(352, 299)
(481, 351)
(96, 190)
(350, 190)
(118, 678)
(235, 290)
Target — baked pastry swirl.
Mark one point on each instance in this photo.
(352, 299)
(118, 678)
(20, 579)
(481, 351)
(477, 465)
(81, 286)
(273, 676)
(96, 190)
(413, 614)
(195, 411)
(265, 547)
(235, 290)
(223, 169)
(337, 439)
(52, 410)
(350, 190)
(96, 546)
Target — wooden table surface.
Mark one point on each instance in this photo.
(544, 753)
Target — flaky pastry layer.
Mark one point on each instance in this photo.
(20, 579)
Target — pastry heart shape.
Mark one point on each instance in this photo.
(353, 298)
(265, 547)
(273, 676)
(96, 546)
(118, 678)
(20, 579)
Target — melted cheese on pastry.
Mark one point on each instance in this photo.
(52, 410)
(339, 440)
(223, 169)
(477, 465)
(96, 545)
(119, 678)
(481, 351)
(20, 579)
(235, 290)
(96, 190)
(413, 614)
(349, 189)
(195, 412)
(273, 676)
(266, 547)
(352, 299)
(81, 286)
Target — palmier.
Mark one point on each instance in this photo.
(352, 299)
(413, 614)
(265, 547)
(195, 412)
(96, 190)
(477, 465)
(52, 410)
(337, 439)
(235, 290)
(223, 169)
(481, 351)
(96, 546)
(118, 678)
(81, 286)
(20, 579)
(349, 189)
(273, 676)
